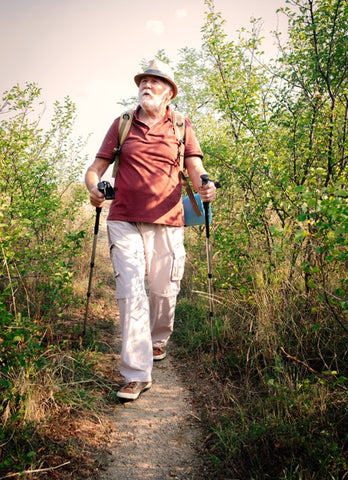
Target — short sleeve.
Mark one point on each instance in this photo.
(110, 142)
(192, 147)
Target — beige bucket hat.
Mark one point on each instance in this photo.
(158, 69)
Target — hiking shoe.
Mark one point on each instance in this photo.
(159, 353)
(132, 390)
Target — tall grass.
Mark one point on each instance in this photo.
(278, 397)
(50, 377)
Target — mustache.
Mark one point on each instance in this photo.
(147, 91)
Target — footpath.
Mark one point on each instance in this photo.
(158, 436)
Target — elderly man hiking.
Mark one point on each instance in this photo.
(146, 222)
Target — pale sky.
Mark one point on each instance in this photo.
(90, 50)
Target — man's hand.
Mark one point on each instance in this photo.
(195, 170)
(97, 199)
(92, 178)
(207, 192)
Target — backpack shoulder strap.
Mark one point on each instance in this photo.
(123, 129)
(179, 127)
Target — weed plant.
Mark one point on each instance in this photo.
(278, 397)
(49, 377)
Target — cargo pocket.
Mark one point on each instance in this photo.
(113, 259)
(178, 264)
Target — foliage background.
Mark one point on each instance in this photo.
(275, 134)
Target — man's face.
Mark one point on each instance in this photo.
(154, 92)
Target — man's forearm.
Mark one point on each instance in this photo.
(95, 172)
(195, 169)
(92, 178)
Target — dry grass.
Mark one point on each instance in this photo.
(59, 413)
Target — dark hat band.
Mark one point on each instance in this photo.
(157, 73)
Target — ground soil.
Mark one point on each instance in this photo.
(158, 436)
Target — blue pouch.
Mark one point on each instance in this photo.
(190, 216)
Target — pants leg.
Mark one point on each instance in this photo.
(165, 259)
(162, 311)
(136, 354)
(128, 259)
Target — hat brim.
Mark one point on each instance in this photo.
(138, 78)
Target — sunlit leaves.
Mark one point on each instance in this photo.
(276, 135)
(37, 203)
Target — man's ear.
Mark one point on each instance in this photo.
(171, 93)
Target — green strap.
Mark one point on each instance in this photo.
(123, 130)
(179, 128)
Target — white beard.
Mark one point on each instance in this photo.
(152, 102)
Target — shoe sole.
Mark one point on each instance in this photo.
(159, 357)
(133, 396)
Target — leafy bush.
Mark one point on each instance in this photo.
(275, 134)
(40, 198)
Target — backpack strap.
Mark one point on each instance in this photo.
(179, 128)
(190, 194)
(123, 130)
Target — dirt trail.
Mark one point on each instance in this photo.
(158, 436)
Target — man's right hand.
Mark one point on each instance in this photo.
(92, 178)
(97, 199)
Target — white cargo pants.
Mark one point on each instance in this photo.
(148, 262)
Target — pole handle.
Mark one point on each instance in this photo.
(205, 180)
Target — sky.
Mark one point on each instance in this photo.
(90, 50)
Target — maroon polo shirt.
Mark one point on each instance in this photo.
(148, 180)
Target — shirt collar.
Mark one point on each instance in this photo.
(168, 114)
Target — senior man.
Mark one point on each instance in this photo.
(146, 222)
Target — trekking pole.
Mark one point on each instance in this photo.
(96, 229)
(105, 188)
(206, 206)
